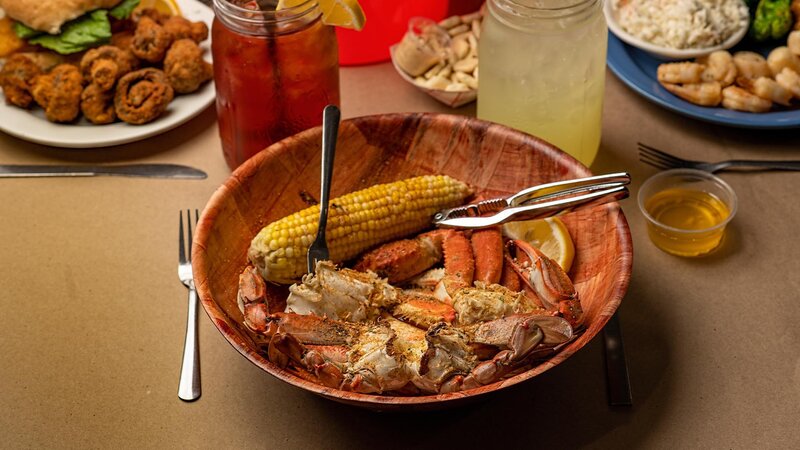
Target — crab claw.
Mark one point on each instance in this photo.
(513, 332)
(322, 361)
(326, 361)
(552, 286)
(255, 317)
(252, 299)
(519, 335)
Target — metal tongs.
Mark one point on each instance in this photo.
(536, 202)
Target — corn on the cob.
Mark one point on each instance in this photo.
(356, 222)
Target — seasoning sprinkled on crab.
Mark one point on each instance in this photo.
(389, 354)
(354, 331)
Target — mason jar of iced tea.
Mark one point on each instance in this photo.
(274, 72)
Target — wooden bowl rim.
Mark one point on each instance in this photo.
(220, 319)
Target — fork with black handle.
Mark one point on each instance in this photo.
(318, 251)
(189, 384)
(663, 160)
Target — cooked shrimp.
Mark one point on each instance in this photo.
(781, 57)
(793, 42)
(734, 97)
(766, 88)
(680, 72)
(703, 94)
(790, 80)
(719, 67)
(751, 65)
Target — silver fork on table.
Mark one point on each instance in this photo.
(663, 160)
(189, 385)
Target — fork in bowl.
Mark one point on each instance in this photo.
(664, 160)
(189, 384)
(318, 250)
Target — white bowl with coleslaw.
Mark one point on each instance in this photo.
(734, 32)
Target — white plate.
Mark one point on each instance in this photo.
(666, 53)
(31, 125)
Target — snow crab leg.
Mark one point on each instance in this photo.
(478, 258)
(551, 286)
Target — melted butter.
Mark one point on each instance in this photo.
(686, 210)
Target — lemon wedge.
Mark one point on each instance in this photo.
(340, 13)
(549, 235)
(162, 6)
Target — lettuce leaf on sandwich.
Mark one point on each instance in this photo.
(90, 30)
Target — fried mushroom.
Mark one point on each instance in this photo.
(18, 74)
(59, 93)
(185, 67)
(182, 28)
(150, 40)
(97, 104)
(142, 96)
(105, 65)
(16, 79)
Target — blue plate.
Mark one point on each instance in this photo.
(637, 69)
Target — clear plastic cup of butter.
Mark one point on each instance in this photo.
(687, 210)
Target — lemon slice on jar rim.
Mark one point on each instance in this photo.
(162, 6)
(340, 13)
(549, 235)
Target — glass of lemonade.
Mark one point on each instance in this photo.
(687, 210)
(542, 70)
(274, 72)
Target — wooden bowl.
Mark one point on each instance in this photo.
(492, 158)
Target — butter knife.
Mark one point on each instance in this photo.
(123, 170)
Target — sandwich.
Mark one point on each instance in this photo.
(66, 26)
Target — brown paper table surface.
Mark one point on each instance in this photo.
(94, 315)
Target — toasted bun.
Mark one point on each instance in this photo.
(49, 15)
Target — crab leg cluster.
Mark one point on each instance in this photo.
(483, 258)
(352, 329)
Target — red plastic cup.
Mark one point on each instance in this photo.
(387, 22)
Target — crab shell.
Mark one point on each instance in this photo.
(388, 355)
